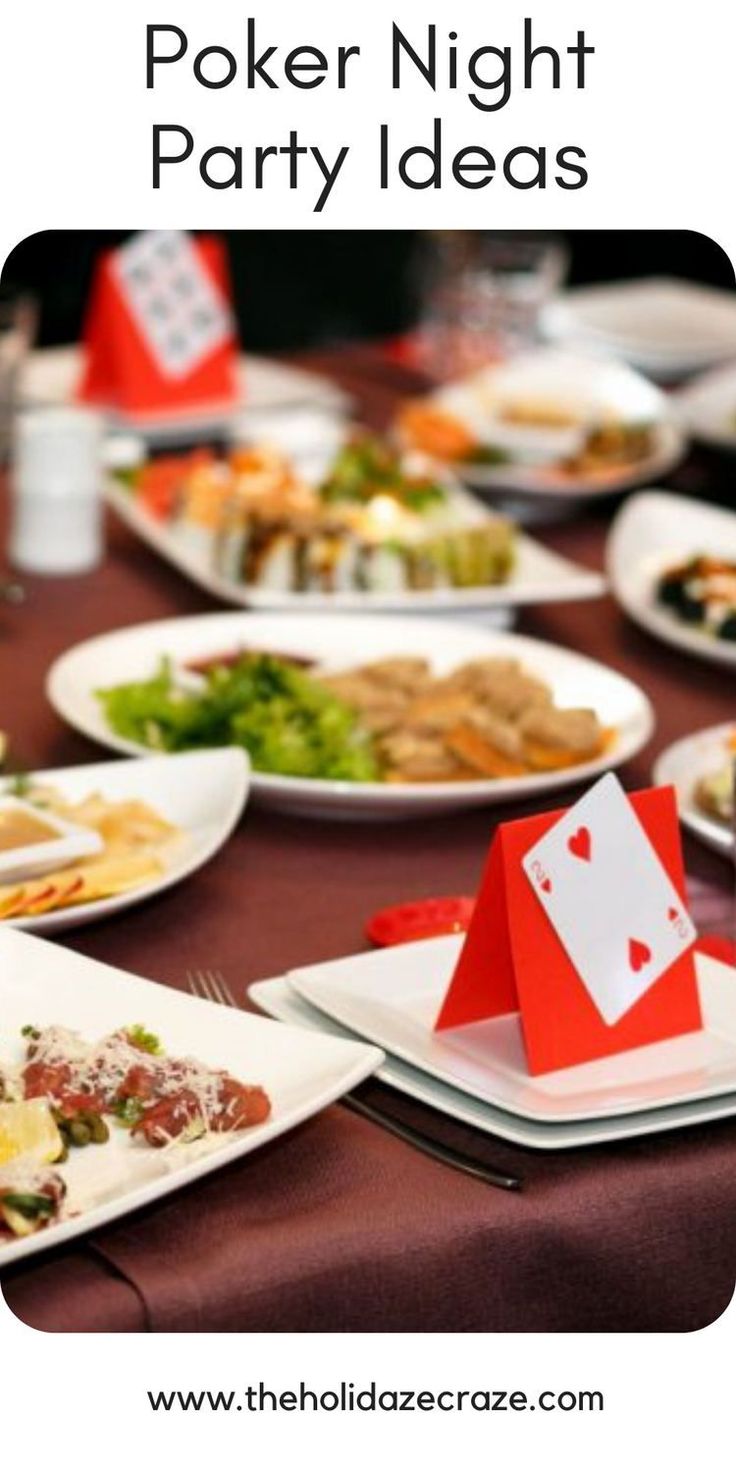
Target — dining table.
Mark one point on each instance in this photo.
(340, 1226)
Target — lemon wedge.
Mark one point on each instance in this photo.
(29, 1130)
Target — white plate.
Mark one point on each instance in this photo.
(134, 653)
(540, 576)
(682, 765)
(279, 999)
(393, 996)
(51, 375)
(661, 325)
(652, 532)
(707, 408)
(301, 1072)
(587, 386)
(202, 792)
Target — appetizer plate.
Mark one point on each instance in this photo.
(278, 999)
(652, 532)
(201, 793)
(301, 1072)
(135, 653)
(707, 408)
(682, 765)
(586, 387)
(540, 576)
(662, 325)
(393, 997)
(51, 375)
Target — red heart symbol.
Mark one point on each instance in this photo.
(672, 913)
(546, 885)
(639, 954)
(579, 844)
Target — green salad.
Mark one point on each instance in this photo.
(288, 723)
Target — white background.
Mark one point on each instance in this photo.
(656, 122)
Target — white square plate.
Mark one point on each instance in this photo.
(279, 999)
(301, 1072)
(393, 996)
(202, 793)
(539, 575)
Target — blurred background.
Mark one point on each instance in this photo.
(301, 289)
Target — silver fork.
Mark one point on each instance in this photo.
(211, 986)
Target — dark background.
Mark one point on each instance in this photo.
(310, 288)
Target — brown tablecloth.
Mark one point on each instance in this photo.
(340, 1226)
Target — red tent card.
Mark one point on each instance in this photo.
(159, 332)
(515, 960)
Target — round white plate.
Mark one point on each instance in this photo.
(651, 532)
(540, 575)
(134, 653)
(681, 766)
(586, 384)
(51, 375)
(661, 325)
(202, 792)
(707, 408)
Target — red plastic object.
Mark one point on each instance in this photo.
(420, 920)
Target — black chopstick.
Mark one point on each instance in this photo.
(456, 1159)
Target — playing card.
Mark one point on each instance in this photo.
(609, 899)
(175, 304)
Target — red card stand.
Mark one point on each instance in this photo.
(513, 961)
(121, 371)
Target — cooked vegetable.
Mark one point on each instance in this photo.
(701, 592)
(369, 467)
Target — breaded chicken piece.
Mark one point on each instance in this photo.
(379, 707)
(575, 731)
(414, 758)
(438, 710)
(503, 685)
(404, 674)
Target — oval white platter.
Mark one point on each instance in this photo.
(134, 653)
(681, 766)
(652, 532)
(202, 793)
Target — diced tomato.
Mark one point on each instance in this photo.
(167, 1119)
(46, 1079)
(240, 1106)
(139, 1083)
(159, 482)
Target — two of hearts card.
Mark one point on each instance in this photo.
(581, 927)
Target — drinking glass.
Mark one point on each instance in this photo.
(483, 295)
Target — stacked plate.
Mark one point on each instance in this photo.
(663, 326)
(478, 1074)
